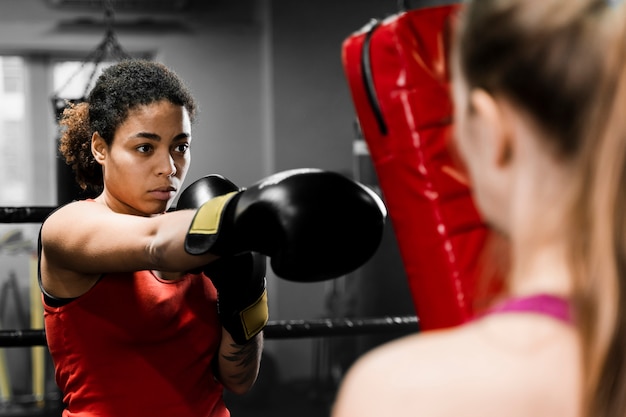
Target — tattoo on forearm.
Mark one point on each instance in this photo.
(245, 357)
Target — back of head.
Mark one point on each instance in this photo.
(564, 63)
(542, 54)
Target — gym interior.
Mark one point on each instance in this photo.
(273, 95)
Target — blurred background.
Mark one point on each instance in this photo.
(268, 78)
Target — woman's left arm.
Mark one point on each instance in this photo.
(238, 365)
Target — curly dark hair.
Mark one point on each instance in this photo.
(120, 88)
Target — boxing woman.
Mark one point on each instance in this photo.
(151, 312)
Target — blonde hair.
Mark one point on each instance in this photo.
(601, 240)
(563, 61)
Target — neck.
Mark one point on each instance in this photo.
(541, 268)
(539, 218)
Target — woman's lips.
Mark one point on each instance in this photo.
(163, 193)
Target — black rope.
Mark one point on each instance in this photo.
(278, 329)
(24, 214)
(287, 329)
(368, 78)
(29, 214)
(22, 338)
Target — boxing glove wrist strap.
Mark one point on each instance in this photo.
(206, 226)
(249, 321)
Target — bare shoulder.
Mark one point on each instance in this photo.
(403, 374)
(70, 221)
(72, 224)
(514, 365)
(73, 212)
(60, 231)
(83, 239)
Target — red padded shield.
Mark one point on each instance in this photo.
(397, 73)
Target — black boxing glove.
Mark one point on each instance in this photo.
(241, 294)
(313, 224)
(239, 279)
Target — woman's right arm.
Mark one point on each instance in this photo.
(88, 238)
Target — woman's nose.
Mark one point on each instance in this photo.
(167, 166)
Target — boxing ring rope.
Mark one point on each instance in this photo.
(278, 329)
(24, 214)
(275, 329)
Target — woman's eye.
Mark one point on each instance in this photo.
(144, 148)
(182, 148)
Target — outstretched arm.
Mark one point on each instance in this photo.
(88, 238)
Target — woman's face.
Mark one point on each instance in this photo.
(147, 162)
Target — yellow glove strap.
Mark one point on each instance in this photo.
(254, 318)
(207, 218)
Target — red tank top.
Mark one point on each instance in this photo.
(136, 345)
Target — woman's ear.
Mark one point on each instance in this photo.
(98, 148)
(494, 126)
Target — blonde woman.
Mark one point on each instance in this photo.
(540, 92)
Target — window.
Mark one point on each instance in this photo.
(15, 147)
(74, 79)
(12, 68)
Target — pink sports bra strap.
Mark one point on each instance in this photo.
(546, 304)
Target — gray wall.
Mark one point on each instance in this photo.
(313, 122)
